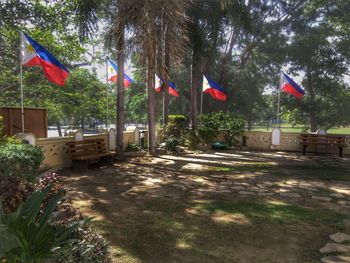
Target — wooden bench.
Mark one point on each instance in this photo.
(338, 141)
(88, 150)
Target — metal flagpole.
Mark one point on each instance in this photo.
(202, 101)
(202, 97)
(107, 106)
(21, 78)
(278, 99)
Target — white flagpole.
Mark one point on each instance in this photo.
(202, 96)
(107, 106)
(279, 99)
(202, 101)
(21, 79)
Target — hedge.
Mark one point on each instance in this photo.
(21, 160)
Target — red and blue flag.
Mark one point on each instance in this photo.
(171, 87)
(214, 89)
(33, 54)
(113, 69)
(289, 86)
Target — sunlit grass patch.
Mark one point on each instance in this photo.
(239, 167)
(273, 212)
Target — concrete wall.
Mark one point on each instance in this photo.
(56, 149)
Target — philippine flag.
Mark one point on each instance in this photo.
(172, 87)
(288, 85)
(33, 54)
(157, 83)
(113, 69)
(213, 89)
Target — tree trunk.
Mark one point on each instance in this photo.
(165, 64)
(82, 123)
(151, 99)
(120, 92)
(194, 94)
(58, 124)
(312, 114)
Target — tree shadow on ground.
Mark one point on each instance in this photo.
(157, 213)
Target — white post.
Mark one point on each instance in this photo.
(107, 106)
(278, 107)
(21, 79)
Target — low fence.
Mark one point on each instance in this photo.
(289, 141)
(57, 155)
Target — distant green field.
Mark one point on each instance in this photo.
(286, 128)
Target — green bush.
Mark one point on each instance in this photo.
(192, 139)
(26, 236)
(132, 147)
(233, 128)
(176, 128)
(171, 143)
(211, 124)
(10, 139)
(22, 160)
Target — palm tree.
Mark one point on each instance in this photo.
(146, 22)
(143, 20)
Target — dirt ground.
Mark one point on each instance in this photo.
(216, 206)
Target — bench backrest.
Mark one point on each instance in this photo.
(319, 139)
(86, 147)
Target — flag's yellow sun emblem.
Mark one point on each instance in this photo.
(30, 48)
(111, 69)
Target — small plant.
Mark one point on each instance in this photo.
(171, 143)
(49, 179)
(88, 246)
(132, 147)
(13, 192)
(22, 160)
(27, 235)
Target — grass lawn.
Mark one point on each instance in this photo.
(288, 128)
(159, 210)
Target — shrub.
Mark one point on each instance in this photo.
(233, 128)
(27, 235)
(9, 139)
(192, 139)
(171, 143)
(176, 128)
(132, 147)
(22, 160)
(211, 124)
